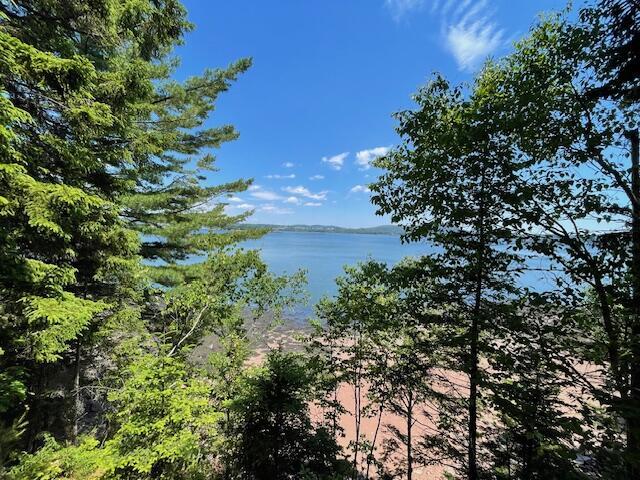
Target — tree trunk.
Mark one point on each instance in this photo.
(357, 399)
(633, 422)
(276, 445)
(613, 346)
(77, 398)
(372, 450)
(474, 337)
(473, 387)
(409, 439)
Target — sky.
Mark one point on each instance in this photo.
(317, 105)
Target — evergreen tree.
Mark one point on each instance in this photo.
(104, 160)
(274, 437)
(67, 251)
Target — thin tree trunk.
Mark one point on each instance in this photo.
(336, 385)
(357, 395)
(409, 439)
(613, 346)
(633, 422)
(335, 410)
(473, 386)
(357, 413)
(77, 399)
(373, 442)
(474, 334)
(276, 450)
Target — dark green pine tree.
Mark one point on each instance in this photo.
(67, 255)
(98, 145)
(273, 436)
(170, 205)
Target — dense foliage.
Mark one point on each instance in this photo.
(103, 200)
(118, 259)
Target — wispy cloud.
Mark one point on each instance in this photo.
(237, 208)
(270, 208)
(365, 157)
(470, 32)
(337, 161)
(256, 191)
(316, 177)
(399, 8)
(447, 5)
(292, 200)
(276, 176)
(359, 189)
(265, 195)
(305, 192)
(288, 165)
(235, 199)
(312, 204)
(469, 28)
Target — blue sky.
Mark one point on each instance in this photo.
(317, 104)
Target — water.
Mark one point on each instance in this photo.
(324, 255)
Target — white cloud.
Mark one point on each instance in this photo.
(305, 192)
(292, 200)
(234, 199)
(270, 208)
(288, 165)
(281, 177)
(365, 157)
(312, 204)
(399, 8)
(256, 191)
(238, 208)
(469, 32)
(266, 195)
(336, 161)
(316, 177)
(472, 43)
(360, 189)
(463, 5)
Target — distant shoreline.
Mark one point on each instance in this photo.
(392, 230)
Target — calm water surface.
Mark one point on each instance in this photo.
(324, 255)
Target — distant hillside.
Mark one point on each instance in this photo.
(381, 230)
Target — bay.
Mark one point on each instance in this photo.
(323, 256)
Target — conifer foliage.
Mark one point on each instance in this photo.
(103, 158)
